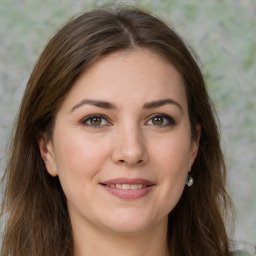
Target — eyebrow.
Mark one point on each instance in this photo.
(160, 103)
(108, 105)
(97, 103)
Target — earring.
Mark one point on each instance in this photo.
(189, 181)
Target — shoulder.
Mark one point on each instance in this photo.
(241, 253)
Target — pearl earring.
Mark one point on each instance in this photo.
(189, 181)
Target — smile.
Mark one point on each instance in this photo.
(127, 186)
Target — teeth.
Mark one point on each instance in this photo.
(134, 186)
(118, 186)
(127, 186)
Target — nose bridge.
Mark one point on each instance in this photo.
(130, 145)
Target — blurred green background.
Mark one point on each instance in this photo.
(222, 33)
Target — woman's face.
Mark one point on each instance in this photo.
(122, 145)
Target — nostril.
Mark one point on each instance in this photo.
(138, 162)
(121, 161)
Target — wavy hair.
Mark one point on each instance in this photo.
(37, 216)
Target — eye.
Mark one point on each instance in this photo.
(95, 120)
(161, 120)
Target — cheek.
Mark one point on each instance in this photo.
(78, 152)
(78, 161)
(172, 153)
(171, 157)
(173, 173)
(173, 168)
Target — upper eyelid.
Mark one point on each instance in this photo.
(170, 118)
(160, 114)
(86, 118)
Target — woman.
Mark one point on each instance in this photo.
(114, 128)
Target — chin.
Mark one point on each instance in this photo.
(130, 227)
(130, 222)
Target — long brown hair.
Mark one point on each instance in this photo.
(37, 216)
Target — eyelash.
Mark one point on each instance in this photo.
(90, 117)
(168, 119)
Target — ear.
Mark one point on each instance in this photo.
(195, 146)
(47, 153)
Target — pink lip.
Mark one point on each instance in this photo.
(127, 181)
(128, 193)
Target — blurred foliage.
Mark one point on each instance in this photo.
(222, 32)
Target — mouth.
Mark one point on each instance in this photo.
(128, 188)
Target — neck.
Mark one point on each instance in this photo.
(92, 241)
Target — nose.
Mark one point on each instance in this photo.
(130, 148)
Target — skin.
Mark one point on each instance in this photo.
(132, 140)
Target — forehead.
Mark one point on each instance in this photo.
(138, 74)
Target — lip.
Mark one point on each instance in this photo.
(128, 193)
(127, 181)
